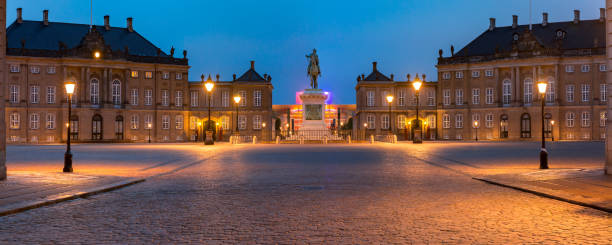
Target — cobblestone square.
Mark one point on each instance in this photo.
(364, 194)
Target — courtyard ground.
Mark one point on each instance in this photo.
(380, 193)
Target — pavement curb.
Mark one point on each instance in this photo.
(542, 194)
(23, 206)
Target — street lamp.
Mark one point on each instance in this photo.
(263, 131)
(149, 125)
(68, 155)
(417, 86)
(209, 87)
(552, 134)
(97, 54)
(476, 127)
(236, 101)
(390, 101)
(543, 153)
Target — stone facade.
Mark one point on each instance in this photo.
(119, 93)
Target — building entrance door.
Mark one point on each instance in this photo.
(503, 127)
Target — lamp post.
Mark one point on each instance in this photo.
(552, 126)
(476, 127)
(209, 132)
(543, 153)
(236, 101)
(263, 131)
(417, 86)
(390, 101)
(68, 155)
(149, 126)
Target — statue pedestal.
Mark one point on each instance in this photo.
(313, 107)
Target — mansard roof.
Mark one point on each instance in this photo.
(553, 39)
(375, 75)
(251, 75)
(56, 39)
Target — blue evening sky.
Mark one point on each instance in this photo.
(223, 36)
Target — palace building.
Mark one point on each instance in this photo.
(489, 87)
(127, 88)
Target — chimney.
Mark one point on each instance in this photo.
(424, 77)
(374, 66)
(602, 14)
(576, 16)
(514, 21)
(107, 22)
(391, 77)
(253, 64)
(491, 24)
(544, 19)
(19, 18)
(46, 17)
(129, 24)
(217, 76)
(234, 77)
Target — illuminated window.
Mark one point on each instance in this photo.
(134, 121)
(14, 120)
(148, 74)
(401, 122)
(446, 121)
(179, 121)
(603, 118)
(134, 74)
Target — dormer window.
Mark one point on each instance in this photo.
(515, 37)
(560, 34)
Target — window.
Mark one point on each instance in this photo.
(193, 122)
(257, 122)
(431, 97)
(446, 75)
(134, 96)
(96, 127)
(242, 122)
(14, 120)
(134, 74)
(475, 96)
(257, 98)
(148, 122)
(569, 93)
(194, 98)
(134, 121)
(401, 97)
(225, 122)
(148, 99)
(243, 101)
(528, 91)
(431, 121)
(475, 73)
(489, 73)
(585, 68)
(603, 92)
(34, 94)
(603, 118)
(550, 91)
(35, 69)
(384, 121)
(459, 96)
(475, 118)
(51, 70)
(178, 100)
(603, 67)
(371, 100)
(515, 37)
(165, 101)
(371, 120)
(50, 121)
(458, 120)
(14, 68)
(51, 95)
(507, 92)
(585, 92)
(446, 121)
(569, 119)
(179, 121)
(446, 97)
(489, 120)
(94, 91)
(165, 122)
(459, 75)
(74, 127)
(525, 126)
(119, 127)
(179, 76)
(401, 122)
(34, 121)
(225, 98)
(569, 68)
(586, 119)
(14, 96)
(490, 96)
(116, 92)
(148, 74)
(166, 75)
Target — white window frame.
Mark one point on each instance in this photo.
(507, 92)
(94, 91)
(225, 98)
(179, 121)
(603, 67)
(148, 98)
(371, 98)
(569, 92)
(490, 96)
(459, 75)
(489, 120)
(446, 99)
(550, 91)
(178, 99)
(14, 68)
(51, 70)
(431, 97)
(401, 122)
(166, 75)
(475, 74)
(243, 94)
(134, 96)
(14, 120)
(476, 96)
(603, 92)
(148, 74)
(569, 68)
(35, 94)
(116, 92)
(371, 121)
(14, 94)
(446, 121)
(242, 122)
(528, 91)
(384, 121)
(585, 92)
(35, 69)
(458, 120)
(51, 94)
(488, 73)
(475, 118)
(50, 124)
(401, 97)
(148, 120)
(446, 75)
(194, 98)
(178, 76)
(165, 97)
(34, 121)
(225, 122)
(165, 122)
(257, 122)
(257, 94)
(585, 68)
(569, 119)
(134, 121)
(459, 96)
(585, 119)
